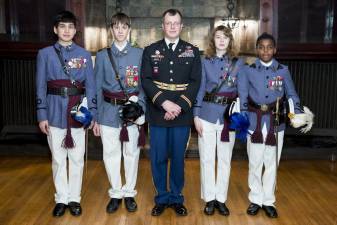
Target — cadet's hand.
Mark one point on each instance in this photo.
(171, 107)
(91, 125)
(96, 129)
(44, 127)
(169, 116)
(198, 125)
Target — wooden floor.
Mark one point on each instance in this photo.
(307, 194)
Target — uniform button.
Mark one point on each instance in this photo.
(171, 62)
(120, 67)
(266, 96)
(267, 77)
(171, 79)
(267, 86)
(221, 59)
(221, 68)
(267, 68)
(171, 71)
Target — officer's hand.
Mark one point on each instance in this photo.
(198, 125)
(96, 129)
(44, 127)
(171, 107)
(169, 116)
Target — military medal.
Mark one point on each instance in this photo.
(187, 53)
(131, 75)
(77, 63)
(276, 83)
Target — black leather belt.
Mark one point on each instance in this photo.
(266, 107)
(65, 91)
(115, 101)
(222, 100)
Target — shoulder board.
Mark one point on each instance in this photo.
(279, 67)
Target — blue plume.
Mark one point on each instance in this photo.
(83, 116)
(240, 123)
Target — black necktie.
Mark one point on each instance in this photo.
(170, 46)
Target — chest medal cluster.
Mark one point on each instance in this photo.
(77, 63)
(276, 83)
(131, 76)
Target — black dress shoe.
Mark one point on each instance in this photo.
(253, 209)
(130, 204)
(113, 205)
(75, 208)
(209, 208)
(158, 209)
(270, 211)
(179, 208)
(223, 210)
(59, 209)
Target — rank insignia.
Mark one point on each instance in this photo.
(276, 83)
(155, 69)
(157, 56)
(77, 63)
(132, 76)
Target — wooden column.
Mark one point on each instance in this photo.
(269, 17)
(78, 8)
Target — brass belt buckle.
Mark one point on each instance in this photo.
(264, 108)
(64, 92)
(171, 87)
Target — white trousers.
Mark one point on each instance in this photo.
(68, 185)
(262, 187)
(214, 180)
(112, 157)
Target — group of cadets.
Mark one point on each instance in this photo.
(175, 88)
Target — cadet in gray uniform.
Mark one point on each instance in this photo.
(262, 86)
(110, 97)
(57, 92)
(218, 90)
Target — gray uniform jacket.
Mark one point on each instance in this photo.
(215, 71)
(128, 62)
(54, 107)
(264, 85)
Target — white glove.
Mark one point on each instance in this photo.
(305, 119)
(140, 120)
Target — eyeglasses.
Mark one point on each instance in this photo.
(170, 24)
